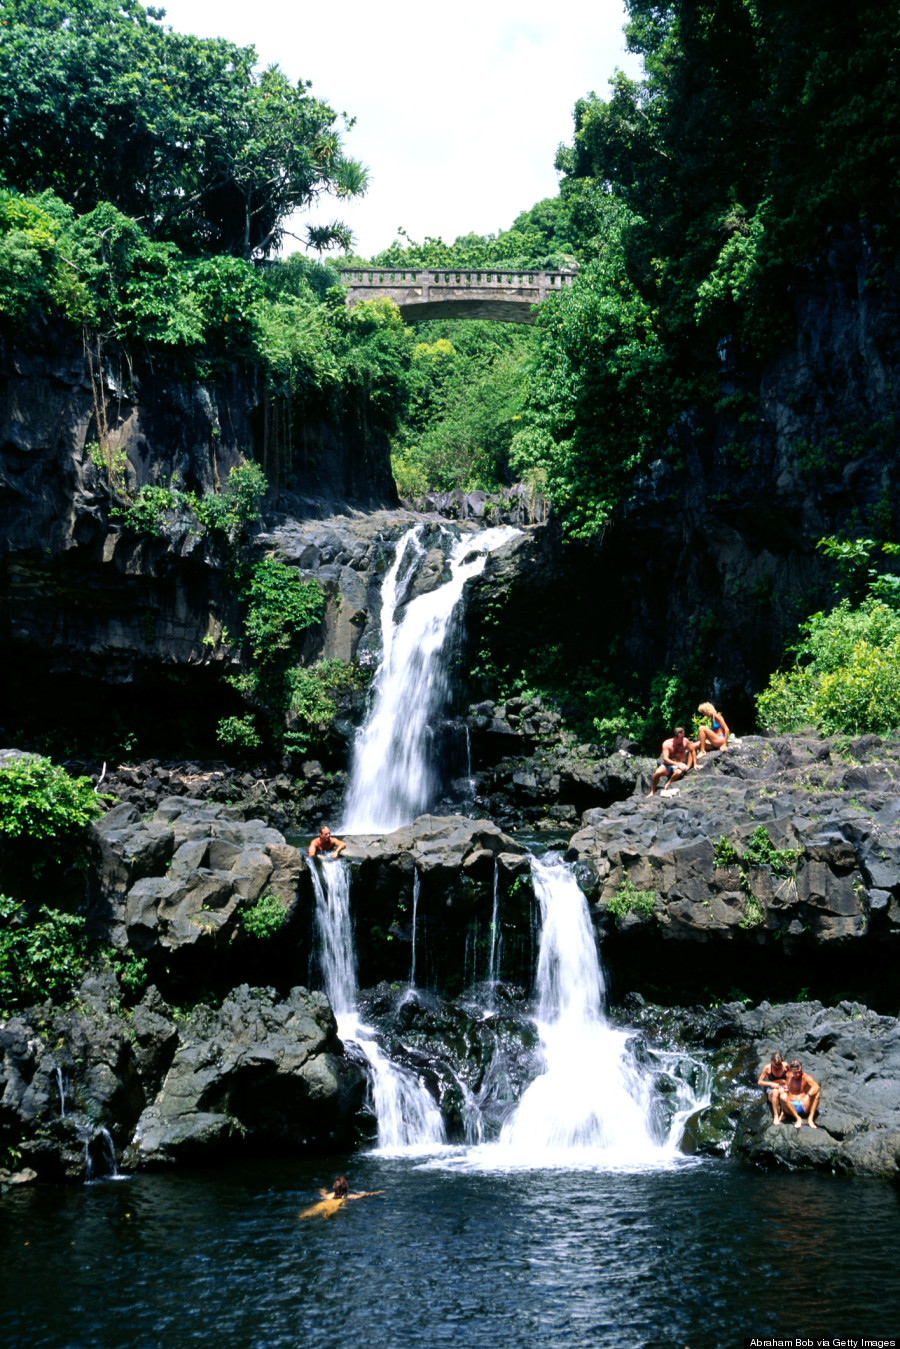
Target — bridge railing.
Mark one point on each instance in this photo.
(386, 276)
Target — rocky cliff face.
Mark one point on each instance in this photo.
(84, 599)
(711, 562)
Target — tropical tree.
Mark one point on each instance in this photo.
(101, 102)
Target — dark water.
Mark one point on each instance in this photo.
(698, 1256)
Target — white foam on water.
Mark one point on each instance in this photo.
(593, 1106)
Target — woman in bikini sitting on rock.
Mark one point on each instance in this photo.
(714, 736)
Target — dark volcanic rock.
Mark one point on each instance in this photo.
(477, 1065)
(852, 1053)
(182, 877)
(457, 863)
(831, 813)
(257, 1070)
(91, 1085)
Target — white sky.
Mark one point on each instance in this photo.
(458, 111)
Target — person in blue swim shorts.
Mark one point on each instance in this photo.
(800, 1097)
(677, 758)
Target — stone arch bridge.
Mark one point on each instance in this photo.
(434, 293)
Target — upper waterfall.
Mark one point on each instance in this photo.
(393, 777)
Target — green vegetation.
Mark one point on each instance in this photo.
(846, 675)
(628, 899)
(468, 382)
(693, 194)
(725, 853)
(45, 810)
(146, 178)
(131, 969)
(100, 103)
(42, 955)
(760, 851)
(843, 676)
(293, 704)
(265, 917)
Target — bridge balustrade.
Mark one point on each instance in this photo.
(432, 292)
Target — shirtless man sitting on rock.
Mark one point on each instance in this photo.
(677, 758)
(800, 1097)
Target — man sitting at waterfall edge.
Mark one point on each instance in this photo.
(677, 758)
(325, 845)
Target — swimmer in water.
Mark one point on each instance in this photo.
(335, 1198)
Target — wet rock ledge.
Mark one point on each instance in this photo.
(776, 866)
(97, 1085)
(853, 1053)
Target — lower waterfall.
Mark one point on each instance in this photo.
(593, 1098)
(593, 1104)
(406, 1112)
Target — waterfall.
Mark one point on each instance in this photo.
(417, 885)
(592, 1099)
(61, 1086)
(89, 1136)
(337, 952)
(405, 1110)
(495, 943)
(471, 781)
(392, 779)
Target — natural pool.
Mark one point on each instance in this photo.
(697, 1254)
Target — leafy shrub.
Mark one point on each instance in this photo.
(41, 803)
(761, 852)
(265, 917)
(41, 956)
(131, 969)
(281, 606)
(238, 506)
(238, 733)
(628, 899)
(725, 853)
(144, 514)
(846, 676)
(313, 690)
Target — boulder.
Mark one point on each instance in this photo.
(261, 1069)
(763, 846)
(182, 877)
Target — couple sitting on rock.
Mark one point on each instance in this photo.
(790, 1089)
(679, 754)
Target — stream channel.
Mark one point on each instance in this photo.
(574, 1222)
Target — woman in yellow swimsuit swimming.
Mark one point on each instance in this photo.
(335, 1198)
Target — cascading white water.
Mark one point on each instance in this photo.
(593, 1099)
(495, 942)
(417, 885)
(61, 1085)
(337, 953)
(392, 777)
(406, 1112)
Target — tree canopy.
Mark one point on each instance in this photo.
(697, 197)
(101, 102)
